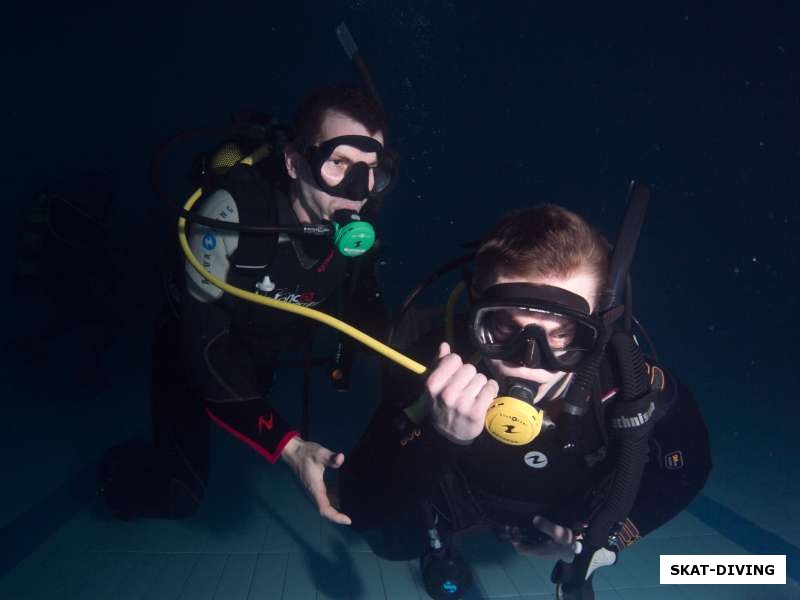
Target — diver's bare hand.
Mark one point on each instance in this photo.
(459, 397)
(308, 460)
(562, 543)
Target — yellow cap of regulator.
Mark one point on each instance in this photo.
(513, 421)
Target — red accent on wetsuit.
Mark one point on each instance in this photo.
(262, 422)
(269, 445)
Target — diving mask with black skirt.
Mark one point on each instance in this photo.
(338, 175)
(535, 326)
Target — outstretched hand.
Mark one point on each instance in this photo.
(562, 543)
(309, 460)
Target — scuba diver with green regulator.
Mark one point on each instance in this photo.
(285, 223)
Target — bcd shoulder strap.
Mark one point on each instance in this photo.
(255, 202)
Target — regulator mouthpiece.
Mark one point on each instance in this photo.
(352, 236)
(513, 419)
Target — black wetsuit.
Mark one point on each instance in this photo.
(216, 363)
(397, 465)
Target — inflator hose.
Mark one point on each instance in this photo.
(635, 397)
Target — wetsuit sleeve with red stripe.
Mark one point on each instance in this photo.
(255, 423)
(231, 373)
(233, 378)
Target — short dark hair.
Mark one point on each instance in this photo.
(346, 99)
(542, 241)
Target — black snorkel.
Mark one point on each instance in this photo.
(353, 53)
(631, 412)
(611, 309)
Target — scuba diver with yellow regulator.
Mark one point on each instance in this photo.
(557, 434)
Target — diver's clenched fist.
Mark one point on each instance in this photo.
(459, 396)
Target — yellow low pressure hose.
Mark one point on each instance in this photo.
(309, 313)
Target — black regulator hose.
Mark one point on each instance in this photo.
(576, 402)
(631, 423)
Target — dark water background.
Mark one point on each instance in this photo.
(493, 106)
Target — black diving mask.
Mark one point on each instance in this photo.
(339, 176)
(535, 326)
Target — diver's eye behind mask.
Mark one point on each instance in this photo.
(339, 176)
(536, 326)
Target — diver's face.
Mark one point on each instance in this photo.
(312, 204)
(583, 284)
